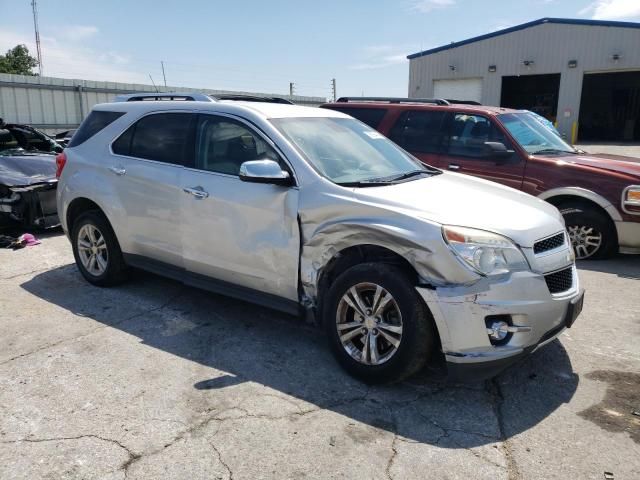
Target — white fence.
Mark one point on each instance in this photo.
(55, 104)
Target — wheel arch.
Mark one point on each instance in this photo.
(77, 207)
(556, 196)
(588, 204)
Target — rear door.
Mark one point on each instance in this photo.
(420, 132)
(147, 164)
(240, 234)
(464, 150)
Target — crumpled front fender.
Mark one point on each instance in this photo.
(420, 243)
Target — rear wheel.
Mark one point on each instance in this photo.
(378, 327)
(590, 231)
(96, 250)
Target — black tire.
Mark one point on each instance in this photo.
(418, 335)
(576, 216)
(116, 270)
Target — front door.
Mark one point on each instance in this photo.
(464, 150)
(240, 234)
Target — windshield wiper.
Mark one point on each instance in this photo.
(366, 183)
(412, 173)
(553, 150)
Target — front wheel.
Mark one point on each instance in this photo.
(378, 327)
(590, 232)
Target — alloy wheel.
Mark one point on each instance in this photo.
(92, 250)
(586, 240)
(369, 323)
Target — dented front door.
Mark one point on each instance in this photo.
(242, 233)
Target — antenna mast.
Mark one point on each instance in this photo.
(35, 27)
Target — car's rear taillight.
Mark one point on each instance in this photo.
(61, 160)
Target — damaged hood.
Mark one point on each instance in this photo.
(27, 169)
(456, 199)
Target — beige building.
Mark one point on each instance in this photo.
(584, 75)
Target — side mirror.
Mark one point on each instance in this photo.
(497, 150)
(264, 171)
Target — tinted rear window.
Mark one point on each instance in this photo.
(161, 137)
(419, 131)
(370, 116)
(95, 122)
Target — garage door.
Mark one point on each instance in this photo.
(463, 89)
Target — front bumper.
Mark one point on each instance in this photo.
(628, 236)
(32, 206)
(459, 313)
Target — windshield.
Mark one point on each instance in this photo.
(532, 135)
(347, 151)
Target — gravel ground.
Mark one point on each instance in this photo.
(156, 380)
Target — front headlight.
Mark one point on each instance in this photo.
(484, 252)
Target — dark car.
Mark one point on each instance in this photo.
(63, 138)
(27, 178)
(599, 196)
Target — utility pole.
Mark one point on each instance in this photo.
(292, 87)
(153, 83)
(35, 27)
(163, 75)
(333, 89)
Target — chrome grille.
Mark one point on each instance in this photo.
(559, 281)
(549, 243)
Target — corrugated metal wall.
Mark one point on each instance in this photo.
(56, 104)
(549, 45)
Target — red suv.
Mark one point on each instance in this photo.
(599, 196)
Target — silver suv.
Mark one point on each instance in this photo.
(308, 210)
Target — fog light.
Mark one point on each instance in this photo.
(498, 330)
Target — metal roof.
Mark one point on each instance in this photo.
(534, 23)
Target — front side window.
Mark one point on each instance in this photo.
(532, 135)
(346, 151)
(223, 145)
(419, 131)
(161, 137)
(468, 134)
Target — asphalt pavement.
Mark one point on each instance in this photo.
(153, 379)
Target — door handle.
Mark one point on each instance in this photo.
(453, 166)
(118, 170)
(197, 192)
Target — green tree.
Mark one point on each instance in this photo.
(18, 61)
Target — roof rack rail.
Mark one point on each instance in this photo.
(435, 101)
(464, 102)
(162, 96)
(251, 98)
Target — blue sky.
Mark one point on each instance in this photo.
(264, 45)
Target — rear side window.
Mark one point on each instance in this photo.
(371, 116)
(161, 137)
(91, 125)
(419, 131)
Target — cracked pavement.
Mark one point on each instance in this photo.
(156, 380)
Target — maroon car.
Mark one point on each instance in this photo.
(599, 196)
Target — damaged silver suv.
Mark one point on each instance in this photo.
(308, 210)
